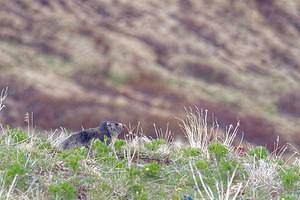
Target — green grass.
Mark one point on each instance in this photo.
(33, 168)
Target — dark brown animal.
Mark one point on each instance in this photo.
(110, 129)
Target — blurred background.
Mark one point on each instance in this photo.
(76, 63)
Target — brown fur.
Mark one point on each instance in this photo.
(110, 129)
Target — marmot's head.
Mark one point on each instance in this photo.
(113, 128)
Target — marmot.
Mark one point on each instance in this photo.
(110, 129)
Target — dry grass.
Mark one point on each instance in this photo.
(3, 95)
(200, 134)
(196, 129)
(263, 175)
(238, 68)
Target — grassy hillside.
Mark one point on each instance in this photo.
(211, 167)
(78, 63)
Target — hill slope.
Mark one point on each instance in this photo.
(77, 63)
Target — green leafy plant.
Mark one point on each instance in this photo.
(43, 144)
(290, 177)
(192, 151)
(259, 152)
(137, 188)
(288, 197)
(119, 144)
(63, 190)
(139, 192)
(202, 164)
(17, 135)
(100, 147)
(226, 167)
(14, 169)
(154, 144)
(142, 196)
(153, 169)
(121, 163)
(133, 171)
(217, 149)
(72, 157)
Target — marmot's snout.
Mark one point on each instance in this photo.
(114, 128)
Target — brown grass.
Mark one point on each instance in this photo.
(59, 61)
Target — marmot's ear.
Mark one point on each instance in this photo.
(108, 123)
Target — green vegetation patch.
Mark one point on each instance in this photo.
(64, 190)
(218, 150)
(17, 135)
(120, 171)
(290, 177)
(259, 152)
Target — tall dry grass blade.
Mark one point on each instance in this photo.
(3, 95)
(2, 186)
(11, 187)
(229, 183)
(168, 135)
(206, 188)
(230, 135)
(195, 180)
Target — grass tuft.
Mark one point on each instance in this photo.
(196, 130)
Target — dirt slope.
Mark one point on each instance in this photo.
(77, 63)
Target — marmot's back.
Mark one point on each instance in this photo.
(110, 129)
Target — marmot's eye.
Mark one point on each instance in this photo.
(116, 124)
